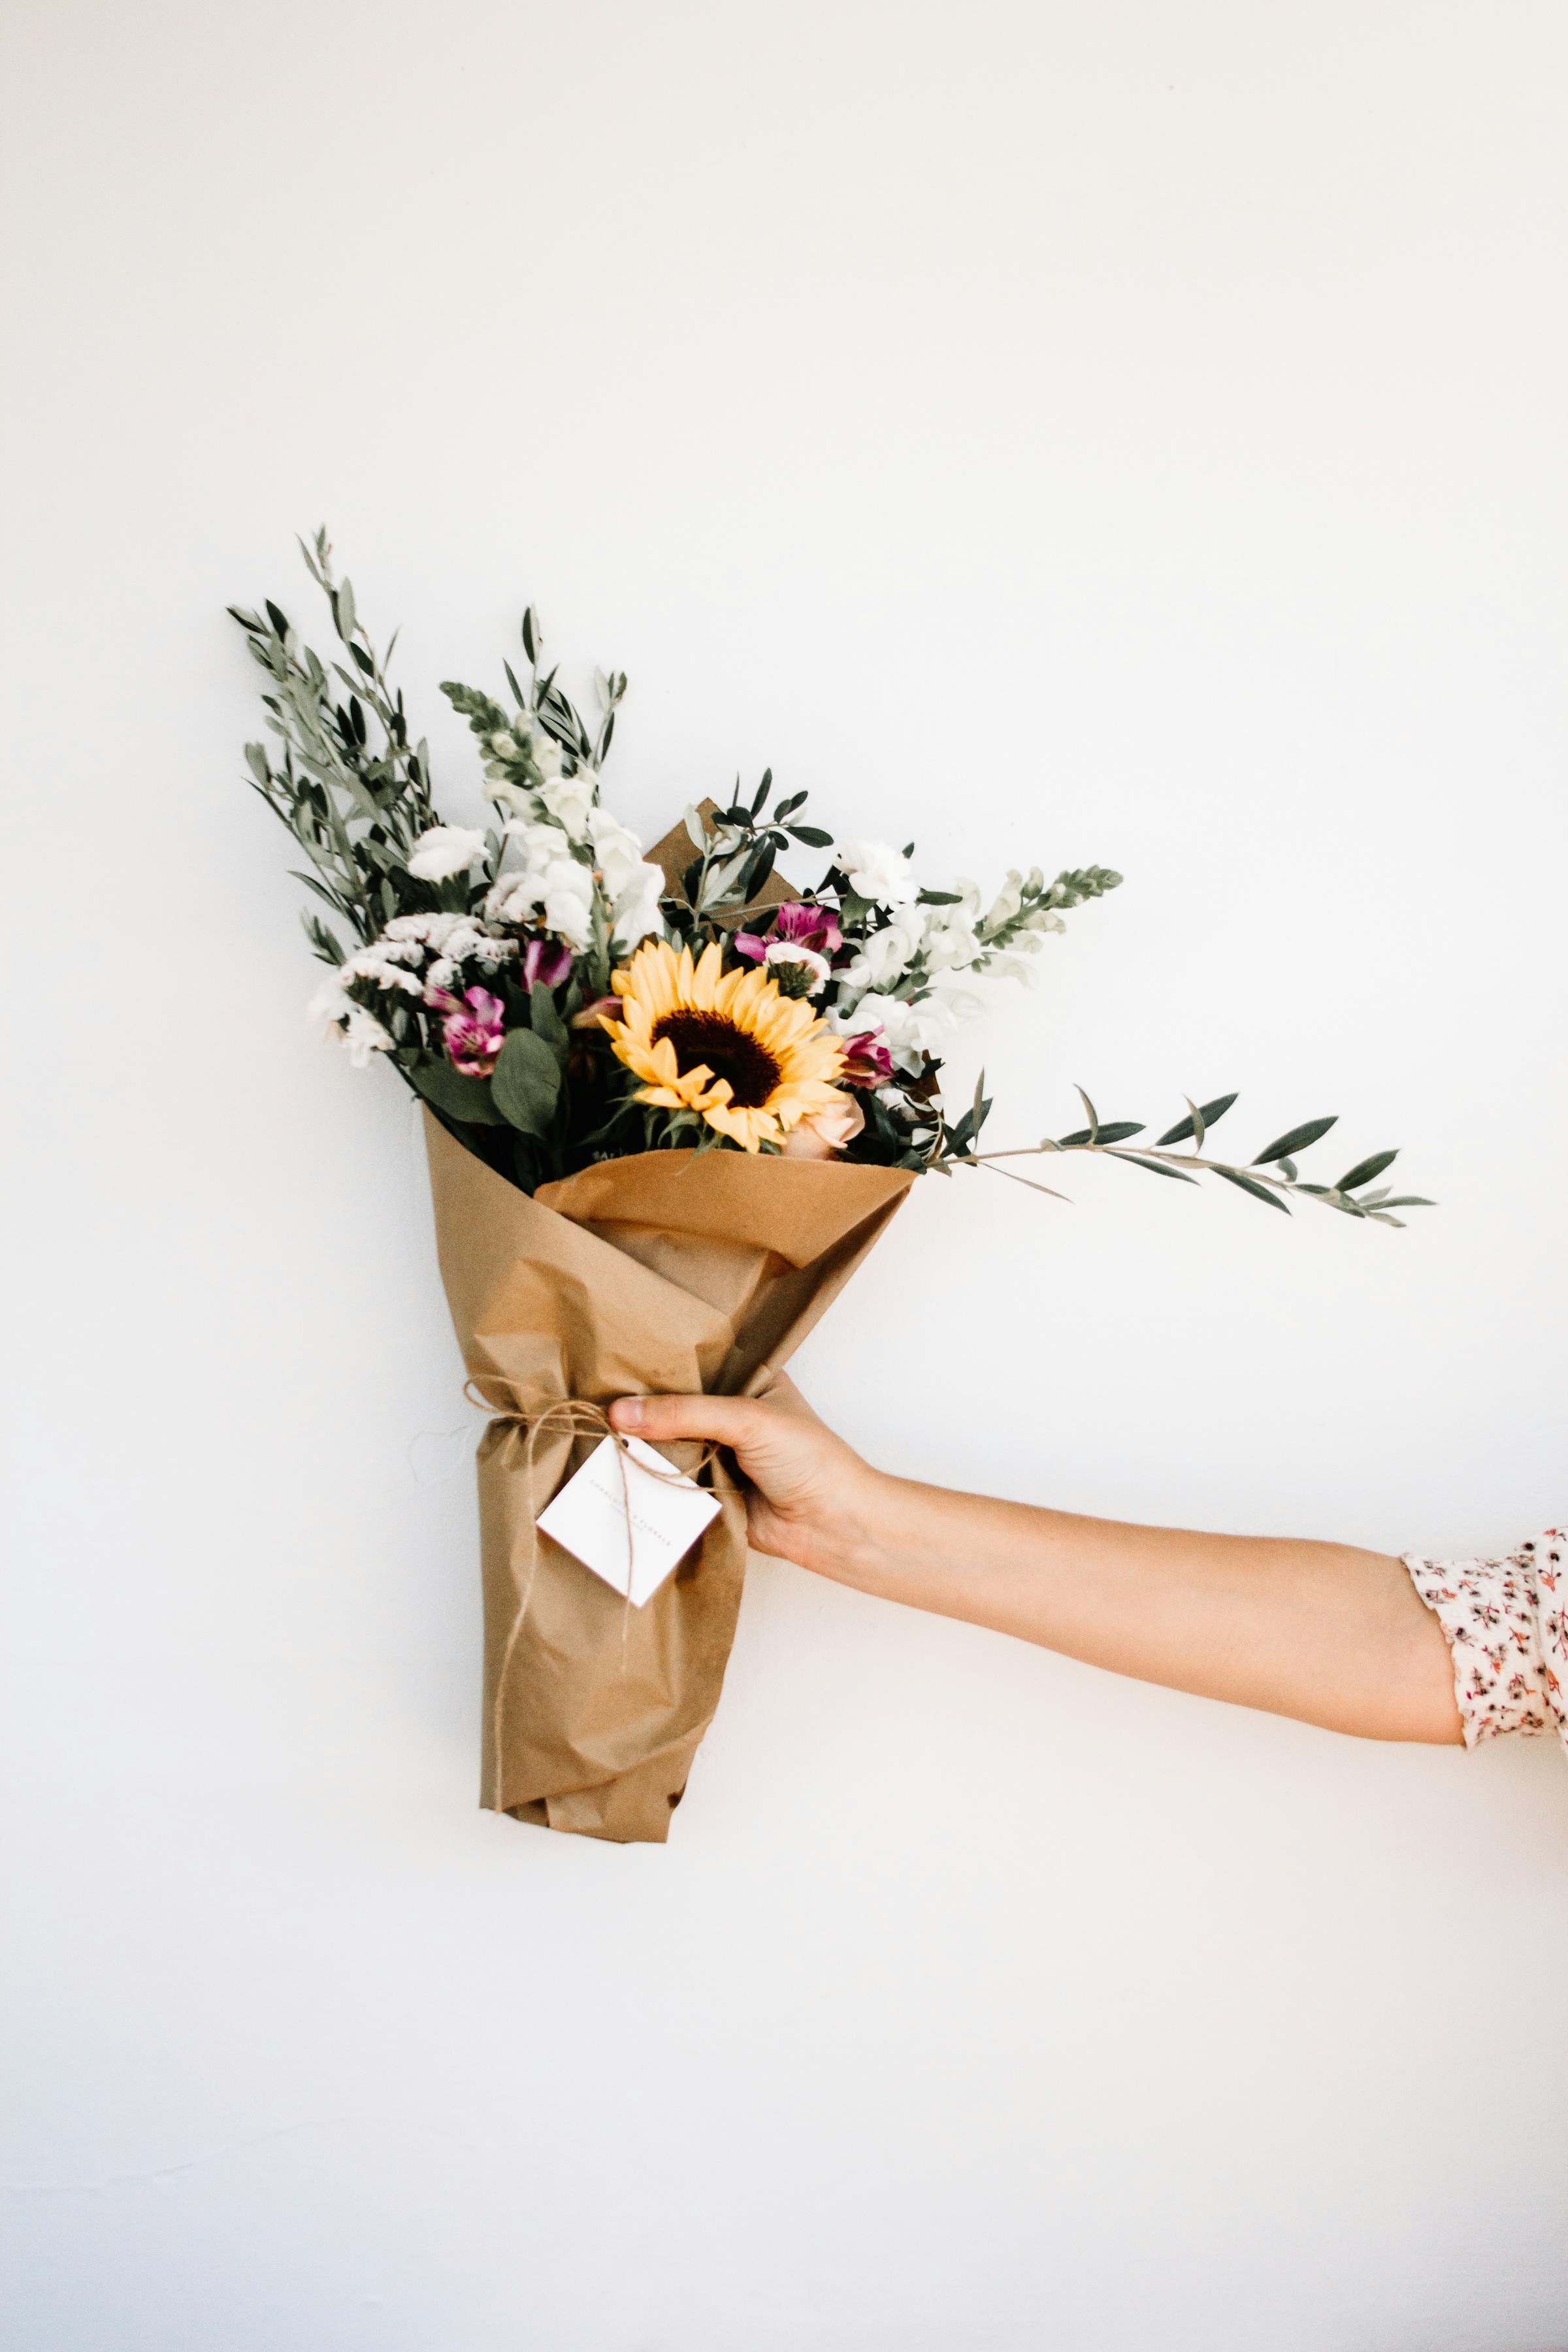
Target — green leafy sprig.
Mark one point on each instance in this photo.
(1272, 1175)
(350, 786)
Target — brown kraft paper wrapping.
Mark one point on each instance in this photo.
(670, 1272)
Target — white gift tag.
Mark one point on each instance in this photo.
(588, 1517)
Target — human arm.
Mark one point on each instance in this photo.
(1325, 1633)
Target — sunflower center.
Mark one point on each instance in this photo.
(729, 1052)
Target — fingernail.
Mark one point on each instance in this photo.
(628, 1413)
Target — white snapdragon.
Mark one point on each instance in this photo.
(551, 880)
(884, 955)
(631, 886)
(949, 944)
(635, 911)
(445, 850)
(570, 800)
(909, 1031)
(878, 872)
(513, 800)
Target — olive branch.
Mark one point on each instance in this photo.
(1271, 1176)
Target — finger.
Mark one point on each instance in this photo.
(724, 1421)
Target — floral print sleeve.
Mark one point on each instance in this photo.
(1506, 1626)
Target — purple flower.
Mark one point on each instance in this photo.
(866, 1061)
(546, 962)
(797, 923)
(472, 1031)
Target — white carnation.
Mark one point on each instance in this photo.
(877, 872)
(445, 850)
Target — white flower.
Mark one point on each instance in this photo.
(545, 754)
(1008, 901)
(909, 1031)
(617, 852)
(635, 911)
(570, 800)
(551, 880)
(790, 952)
(445, 850)
(364, 1036)
(514, 800)
(877, 872)
(884, 955)
(950, 943)
(330, 1003)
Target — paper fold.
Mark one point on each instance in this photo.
(673, 1271)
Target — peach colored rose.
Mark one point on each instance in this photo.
(823, 1132)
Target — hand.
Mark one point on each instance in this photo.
(811, 1496)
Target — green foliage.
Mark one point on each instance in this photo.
(526, 1082)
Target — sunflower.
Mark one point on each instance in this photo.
(723, 1044)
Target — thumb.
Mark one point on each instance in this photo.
(779, 1443)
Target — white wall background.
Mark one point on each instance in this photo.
(1128, 432)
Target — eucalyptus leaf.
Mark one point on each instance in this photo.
(547, 1022)
(526, 1082)
(459, 1097)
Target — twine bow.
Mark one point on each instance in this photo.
(577, 1418)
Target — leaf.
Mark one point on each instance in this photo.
(518, 695)
(1155, 1167)
(1285, 1147)
(450, 1091)
(278, 620)
(343, 612)
(1209, 1114)
(1246, 1184)
(1093, 1136)
(256, 760)
(764, 789)
(940, 898)
(1117, 1132)
(1365, 1169)
(812, 835)
(547, 1022)
(363, 659)
(696, 831)
(788, 808)
(526, 1081)
(1408, 1201)
(530, 636)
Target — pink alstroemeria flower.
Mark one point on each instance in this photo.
(866, 1061)
(797, 923)
(472, 1030)
(546, 962)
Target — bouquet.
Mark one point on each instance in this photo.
(671, 1103)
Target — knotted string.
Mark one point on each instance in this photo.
(577, 1418)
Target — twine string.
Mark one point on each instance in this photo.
(575, 1417)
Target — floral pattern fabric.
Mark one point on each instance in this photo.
(1506, 1626)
